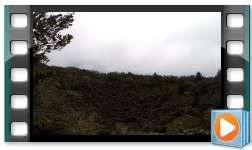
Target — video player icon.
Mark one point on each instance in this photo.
(229, 127)
(226, 127)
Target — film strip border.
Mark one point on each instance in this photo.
(20, 63)
(236, 56)
(17, 73)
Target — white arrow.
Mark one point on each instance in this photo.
(225, 127)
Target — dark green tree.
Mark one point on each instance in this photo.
(198, 76)
(47, 35)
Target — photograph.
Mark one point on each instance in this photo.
(125, 73)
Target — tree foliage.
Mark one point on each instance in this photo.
(198, 76)
(47, 34)
(78, 102)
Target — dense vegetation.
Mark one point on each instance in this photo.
(71, 101)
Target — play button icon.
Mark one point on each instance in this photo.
(226, 127)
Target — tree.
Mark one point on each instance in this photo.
(198, 76)
(47, 35)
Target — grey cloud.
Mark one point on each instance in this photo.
(167, 43)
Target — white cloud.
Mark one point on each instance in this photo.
(168, 43)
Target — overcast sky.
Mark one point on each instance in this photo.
(168, 43)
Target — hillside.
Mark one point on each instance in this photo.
(75, 102)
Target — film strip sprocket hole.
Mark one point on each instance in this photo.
(18, 46)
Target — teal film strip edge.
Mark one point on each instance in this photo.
(247, 57)
(6, 74)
